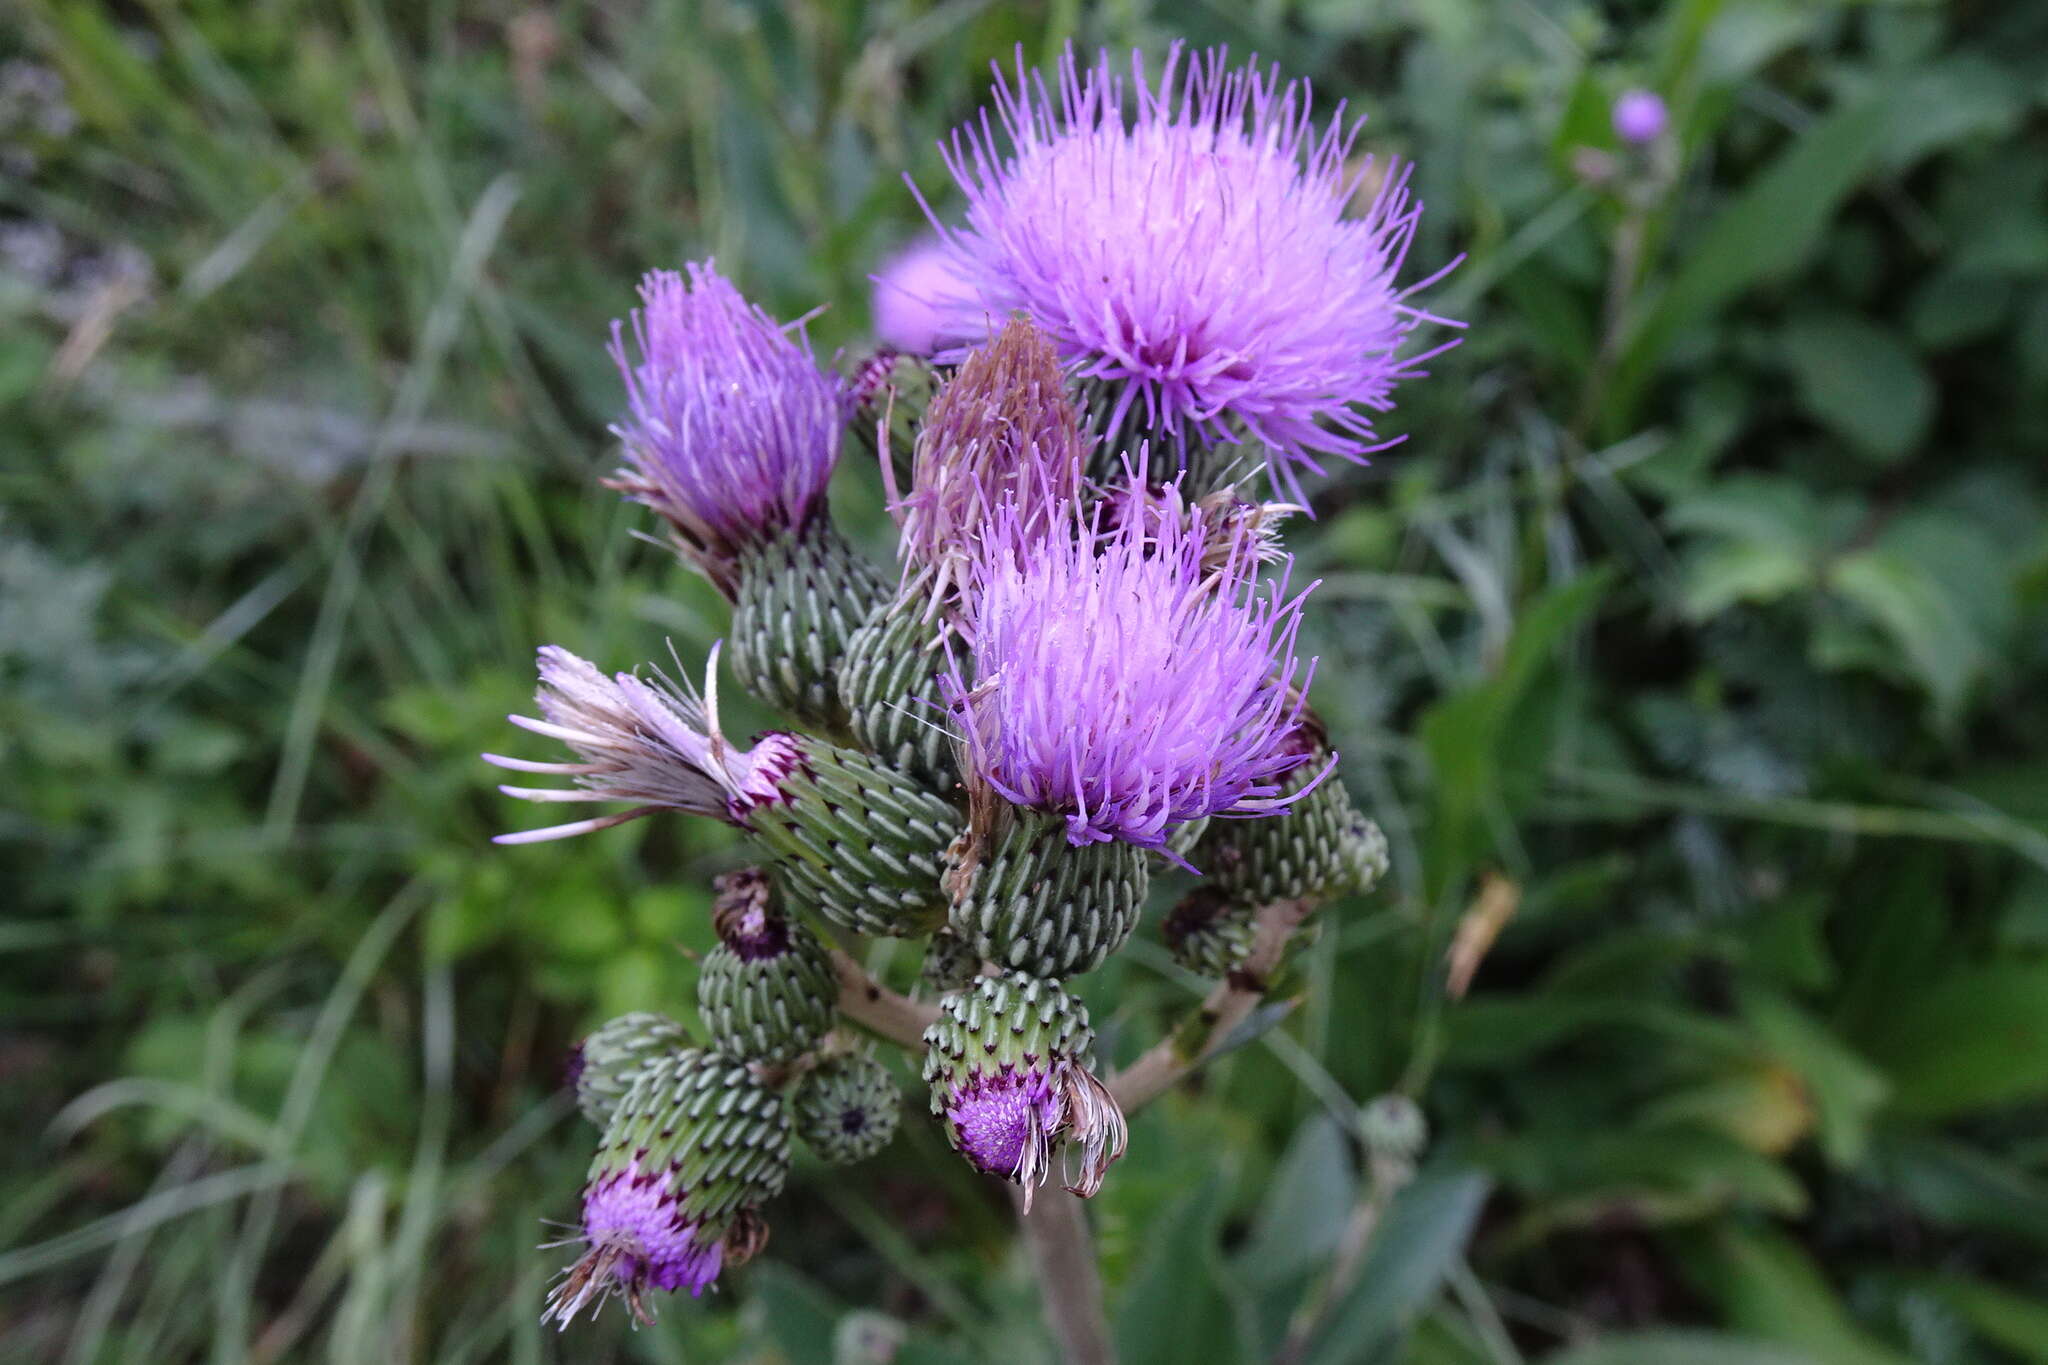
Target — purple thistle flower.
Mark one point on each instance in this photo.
(1194, 255)
(656, 744)
(1640, 117)
(915, 291)
(732, 428)
(1125, 680)
(636, 1239)
(1002, 431)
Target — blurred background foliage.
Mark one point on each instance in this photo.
(1692, 652)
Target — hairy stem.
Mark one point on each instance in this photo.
(1069, 1281)
(1198, 1037)
(878, 1009)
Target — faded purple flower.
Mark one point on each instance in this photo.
(1007, 1123)
(732, 428)
(636, 1239)
(1126, 679)
(656, 744)
(1640, 117)
(1193, 252)
(1002, 431)
(917, 294)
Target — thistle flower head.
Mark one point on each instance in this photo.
(916, 293)
(1186, 244)
(1128, 678)
(1007, 1060)
(731, 428)
(1001, 432)
(656, 744)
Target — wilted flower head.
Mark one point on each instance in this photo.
(732, 429)
(1193, 252)
(1120, 680)
(1640, 117)
(689, 1154)
(653, 743)
(638, 1239)
(917, 293)
(1007, 1063)
(1001, 432)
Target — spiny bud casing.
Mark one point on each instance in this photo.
(1207, 932)
(1037, 903)
(766, 992)
(799, 596)
(846, 1108)
(607, 1063)
(857, 841)
(1321, 848)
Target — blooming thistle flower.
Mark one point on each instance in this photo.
(1007, 1060)
(732, 429)
(918, 292)
(1122, 681)
(694, 1148)
(1640, 117)
(1193, 255)
(854, 840)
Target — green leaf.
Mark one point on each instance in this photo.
(1716, 577)
(2016, 1322)
(1678, 1348)
(1306, 1207)
(1862, 382)
(1175, 1309)
(1420, 1237)
(1976, 1038)
(1844, 1088)
(1953, 1183)
(1942, 647)
(1766, 1285)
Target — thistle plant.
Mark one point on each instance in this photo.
(1083, 701)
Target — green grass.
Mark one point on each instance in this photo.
(1707, 604)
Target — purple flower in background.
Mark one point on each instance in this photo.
(917, 294)
(655, 744)
(1193, 253)
(1125, 679)
(637, 1239)
(1640, 117)
(732, 428)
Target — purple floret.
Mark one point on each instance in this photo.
(1189, 246)
(635, 1239)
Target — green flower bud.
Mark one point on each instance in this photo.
(766, 992)
(605, 1065)
(800, 595)
(846, 1108)
(1036, 903)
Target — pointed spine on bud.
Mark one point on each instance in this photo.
(1208, 933)
(1008, 1064)
(766, 992)
(846, 1108)
(691, 1152)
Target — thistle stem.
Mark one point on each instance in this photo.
(1198, 1037)
(878, 1009)
(1062, 1251)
